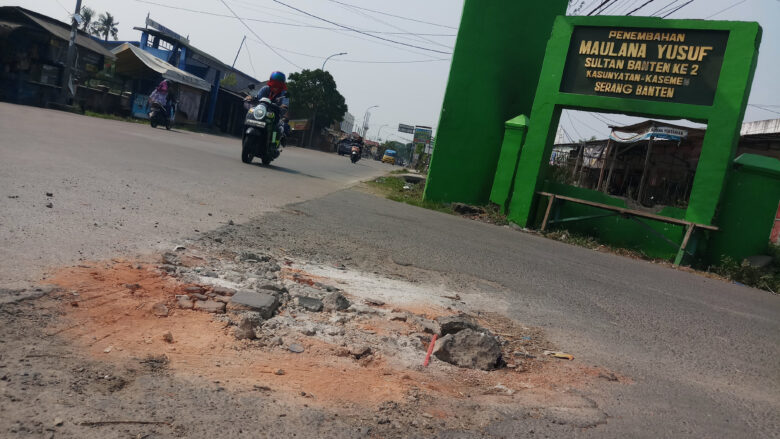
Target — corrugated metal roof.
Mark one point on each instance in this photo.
(62, 30)
(167, 71)
(771, 126)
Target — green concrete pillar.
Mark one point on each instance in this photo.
(514, 137)
(495, 70)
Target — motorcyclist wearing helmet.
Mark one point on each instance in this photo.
(276, 91)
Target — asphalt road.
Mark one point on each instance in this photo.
(702, 354)
(121, 188)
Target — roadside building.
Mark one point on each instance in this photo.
(141, 72)
(347, 124)
(33, 49)
(223, 106)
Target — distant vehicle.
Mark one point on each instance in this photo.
(344, 147)
(389, 156)
(355, 153)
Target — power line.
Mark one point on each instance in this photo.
(282, 23)
(762, 108)
(641, 6)
(258, 36)
(678, 8)
(64, 8)
(571, 122)
(361, 32)
(597, 8)
(252, 64)
(394, 16)
(308, 55)
(357, 11)
(724, 10)
(663, 8)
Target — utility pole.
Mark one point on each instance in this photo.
(68, 70)
(239, 51)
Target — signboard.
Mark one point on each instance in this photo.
(422, 137)
(155, 25)
(141, 106)
(408, 129)
(671, 65)
(656, 133)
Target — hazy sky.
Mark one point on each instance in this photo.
(409, 93)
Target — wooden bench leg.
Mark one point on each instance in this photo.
(681, 253)
(547, 212)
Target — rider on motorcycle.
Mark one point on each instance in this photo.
(276, 91)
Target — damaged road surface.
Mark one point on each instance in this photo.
(198, 307)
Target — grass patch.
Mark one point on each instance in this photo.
(399, 171)
(393, 189)
(766, 278)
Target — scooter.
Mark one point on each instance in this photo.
(355, 154)
(261, 137)
(159, 115)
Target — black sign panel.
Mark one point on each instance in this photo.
(670, 65)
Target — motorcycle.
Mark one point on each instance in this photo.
(261, 137)
(355, 154)
(159, 116)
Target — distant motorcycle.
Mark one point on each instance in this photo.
(261, 136)
(158, 115)
(355, 154)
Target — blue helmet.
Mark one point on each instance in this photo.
(278, 76)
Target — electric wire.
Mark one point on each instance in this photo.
(258, 36)
(678, 8)
(641, 6)
(419, 38)
(726, 9)
(297, 23)
(361, 32)
(394, 16)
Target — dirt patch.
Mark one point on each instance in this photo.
(109, 314)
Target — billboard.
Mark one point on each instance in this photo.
(403, 128)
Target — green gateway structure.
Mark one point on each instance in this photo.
(495, 69)
(670, 69)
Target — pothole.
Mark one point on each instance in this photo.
(326, 335)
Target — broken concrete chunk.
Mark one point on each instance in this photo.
(469, 348)
(210, 306)
(223, 299)
(309, 303)
(265, 304)
(455, 324)
(359, 351)
(160, 309)
(247, 325)
(170, 259)
(184, 302)
(194, 289)
(335, 302)
(374, 302)
(223, 291)
(397, 316)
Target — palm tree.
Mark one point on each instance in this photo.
(105, 26)
(87, 14)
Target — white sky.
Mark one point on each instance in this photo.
(406, 93)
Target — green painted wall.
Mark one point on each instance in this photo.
(747, 213)
(724, 118)
(494, 74)
(504, 180)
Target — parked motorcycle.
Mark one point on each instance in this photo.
(355, 154)
(261, 136)
(158, 115)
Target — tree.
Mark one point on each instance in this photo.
(314, 93)
(87, 14)
(106, 25)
